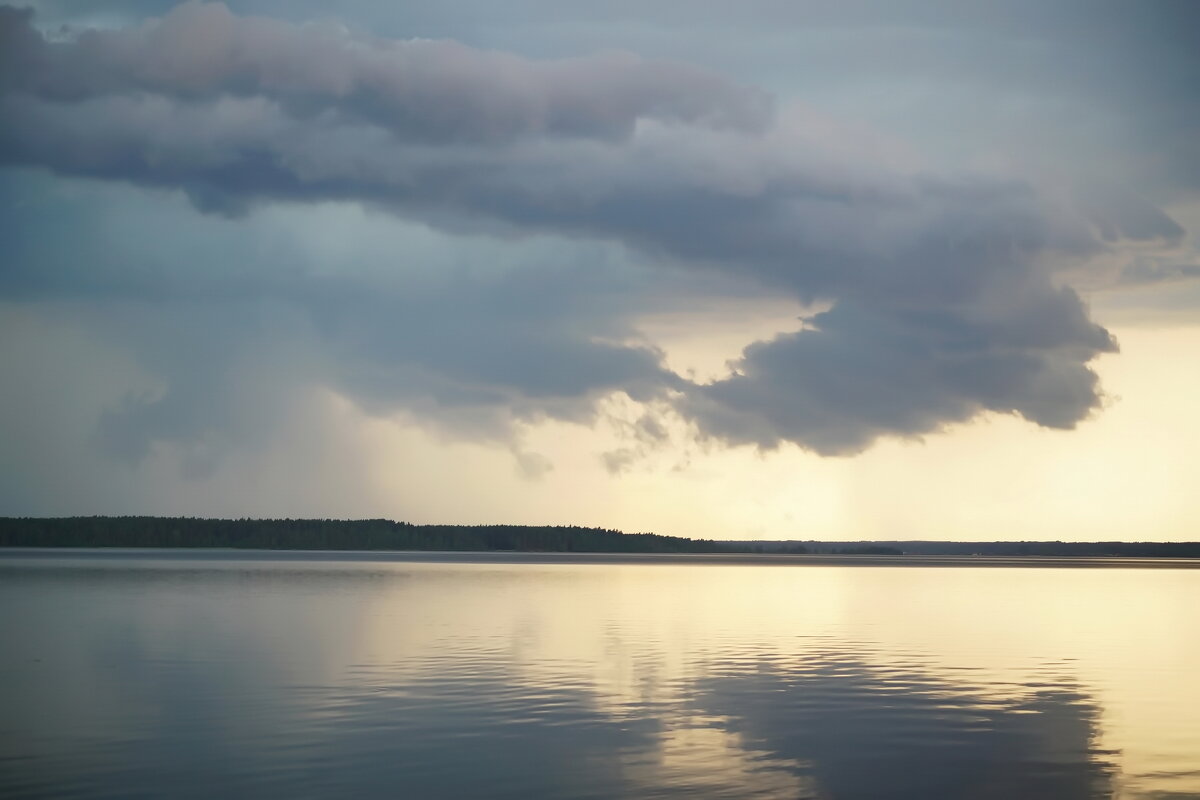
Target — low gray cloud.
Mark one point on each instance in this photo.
(864, 373)
(944, 298)
(422, 90)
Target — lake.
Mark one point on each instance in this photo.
(129, 674)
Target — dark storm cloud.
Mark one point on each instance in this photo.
(864, 373)
(943, 304)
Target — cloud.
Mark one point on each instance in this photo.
(866, 373)
(419, 90)
(236, 320)
(942, 283)
(1124, 215)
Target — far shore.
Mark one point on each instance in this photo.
(194, 555)
(546, 542)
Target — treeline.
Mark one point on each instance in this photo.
(384, 534)
(332, 534)
(926, 548)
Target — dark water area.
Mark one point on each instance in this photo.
(208, 674)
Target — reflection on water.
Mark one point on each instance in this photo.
(199, 675)
(865, 732)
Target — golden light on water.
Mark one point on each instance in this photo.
(641, 639)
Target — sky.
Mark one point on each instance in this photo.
(771, 270)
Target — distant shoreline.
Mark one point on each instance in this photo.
(380, 535)
(202, 554)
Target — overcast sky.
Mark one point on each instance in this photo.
(831, 270)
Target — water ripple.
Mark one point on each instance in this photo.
(457, 680)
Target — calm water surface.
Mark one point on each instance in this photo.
(208, 674)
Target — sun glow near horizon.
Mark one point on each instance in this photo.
(1121, 475)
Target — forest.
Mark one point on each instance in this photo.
(385, 534)
(332, 534)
